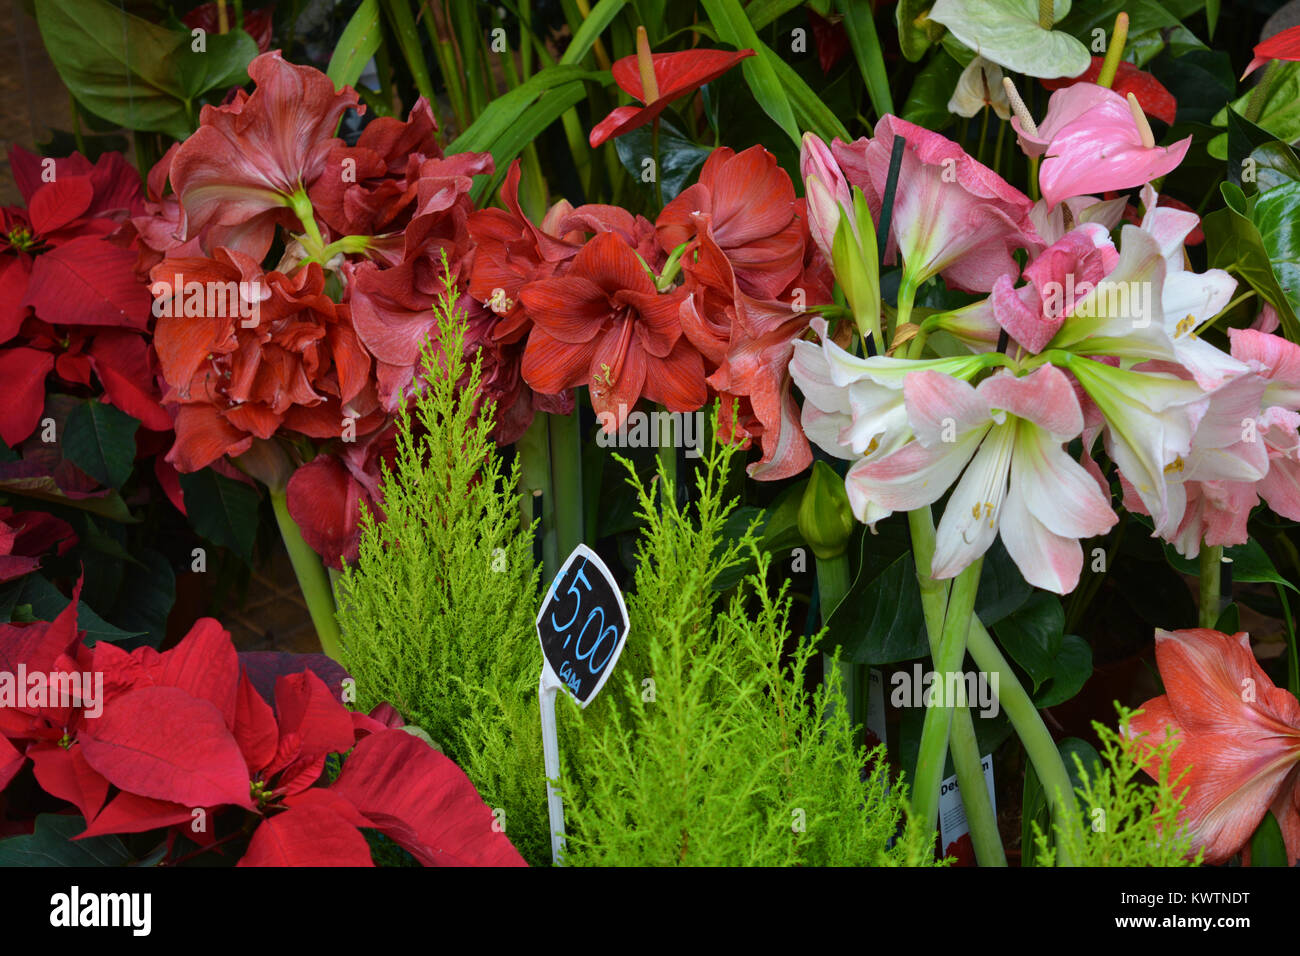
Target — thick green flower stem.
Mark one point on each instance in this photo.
(534, 449)
(1033, 733)
(667, 455)
(1211, 575)
(566, 480)
(312, 578)
(935, 732)
(962, 744)
(833, 580)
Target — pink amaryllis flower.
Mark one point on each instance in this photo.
(1004, 438)
(1093, 141)
(1239, 740)
(675, 75)
(952, 215)
(249, 157)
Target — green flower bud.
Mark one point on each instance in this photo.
(825, 518)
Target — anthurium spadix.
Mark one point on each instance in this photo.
(854, 407)
(1002, 443)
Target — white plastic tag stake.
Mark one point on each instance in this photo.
(547, 688)
(571, 662)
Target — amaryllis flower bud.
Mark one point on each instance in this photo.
(825, 518)
(826, 189)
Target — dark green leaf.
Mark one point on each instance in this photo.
(1070, 671)
(1033, 635)
(1267, 848)
(1276, 215)
(222, 64)
(1250, 564)
(927, 104)
(880, 620)
(1003, 588)
(679, 158)
(1233, 242)
(119, 66)
(222, 510)
(51, 844)
(47, 603)
(1244, 137)
(100, 440)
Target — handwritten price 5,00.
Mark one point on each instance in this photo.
(593, 624)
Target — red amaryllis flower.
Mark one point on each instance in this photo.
(393, 307)
(372, 188)
(248, 157)
(325, 496)
(248, 354)
(1151, 94)
(676, 75)
(748, 203)
(604, 324)
(1239, 740)
(510, 251)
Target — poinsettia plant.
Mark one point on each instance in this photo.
(185, 746)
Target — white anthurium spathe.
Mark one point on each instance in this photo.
(980, 86)
(1008, 33)
(853, 407)
(1001, 442)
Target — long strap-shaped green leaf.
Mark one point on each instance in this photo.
(761, 71)
(602, 14)
(403, 24)
(358, 43)
(506, 110)
(861, 28)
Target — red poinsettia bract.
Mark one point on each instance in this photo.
(168, 735)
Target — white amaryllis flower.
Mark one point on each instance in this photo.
(1188, 298)
(1004, 438)
(853, 407)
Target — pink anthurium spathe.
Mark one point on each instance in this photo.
(1239, 740)
(1005, 439)
(1094, 140)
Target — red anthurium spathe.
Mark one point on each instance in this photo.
(248, 157)
(1151, 94)
(1280, 46)
(604, 324)
(676, 75)
(1239, 740)
(747, 203)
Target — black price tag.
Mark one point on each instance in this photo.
(582, 625)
